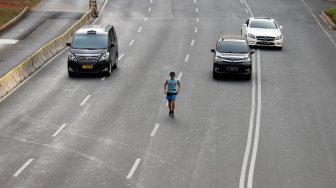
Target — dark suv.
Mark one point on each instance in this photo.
(94, 49)
(232, 56)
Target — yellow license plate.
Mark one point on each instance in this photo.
(87, 66)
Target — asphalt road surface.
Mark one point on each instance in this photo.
(276, 130)
(49, 19)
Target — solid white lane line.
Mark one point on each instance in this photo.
(248, 7)
(120, 57)
(250, 130)
(179, 76)
(140, 29)
(192, 43)
(131, 43)
(318, 22)
(325, 31)
(197, 10)
(155, 129)
(8, 41)
(103, 78)
(23, 167)
(257, 129)
(86, 99)
(196, 29)
(167, 103)
(59, 130)
(149, 9)
(197, 19)
(145, 20)
(241, 1)
(135, 166)
(246, 11)
(186, 59)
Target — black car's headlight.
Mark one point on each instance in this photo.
(105, 56)
(72, 57)
(217, 58)
(248, 60)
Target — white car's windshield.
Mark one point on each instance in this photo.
(263, 24)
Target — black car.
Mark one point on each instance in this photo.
(232, 56)
(94, 49)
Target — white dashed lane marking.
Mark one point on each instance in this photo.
(197, 19)
(135, 166)
(120, 57)
(8, 41)
(149, 9)
(196, 29)
(23, 167)
(145, 20)
(192, 43)
(155, 129)
(140, 29)
(131, 43)
(59, 130)
(86, 99)
(197, 10)
(186, 59)
(179, 76)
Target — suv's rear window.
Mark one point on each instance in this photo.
(90, 41)
(232, 47)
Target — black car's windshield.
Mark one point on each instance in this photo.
(232, 47)
(263, 24)
(90, 41)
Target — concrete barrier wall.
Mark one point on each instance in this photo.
(37, 60)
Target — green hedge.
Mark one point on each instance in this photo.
(331, 12)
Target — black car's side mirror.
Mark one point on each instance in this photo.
(252, 51)
(68, 44)
(113, 44)
(213, 50)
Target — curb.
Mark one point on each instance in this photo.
(14, 20)
(26, 68)
(328, 21)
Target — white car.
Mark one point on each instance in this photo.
(262, 32)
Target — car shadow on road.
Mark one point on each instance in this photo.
(232, 78)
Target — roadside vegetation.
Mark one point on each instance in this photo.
(331, 12)
(11, 8)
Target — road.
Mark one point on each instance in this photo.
(276, 130)
(48, 20)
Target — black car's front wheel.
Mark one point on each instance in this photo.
(109, 70)
(215, 75)
(71, 74)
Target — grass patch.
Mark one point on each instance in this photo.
(331, 12)
(7, 14)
